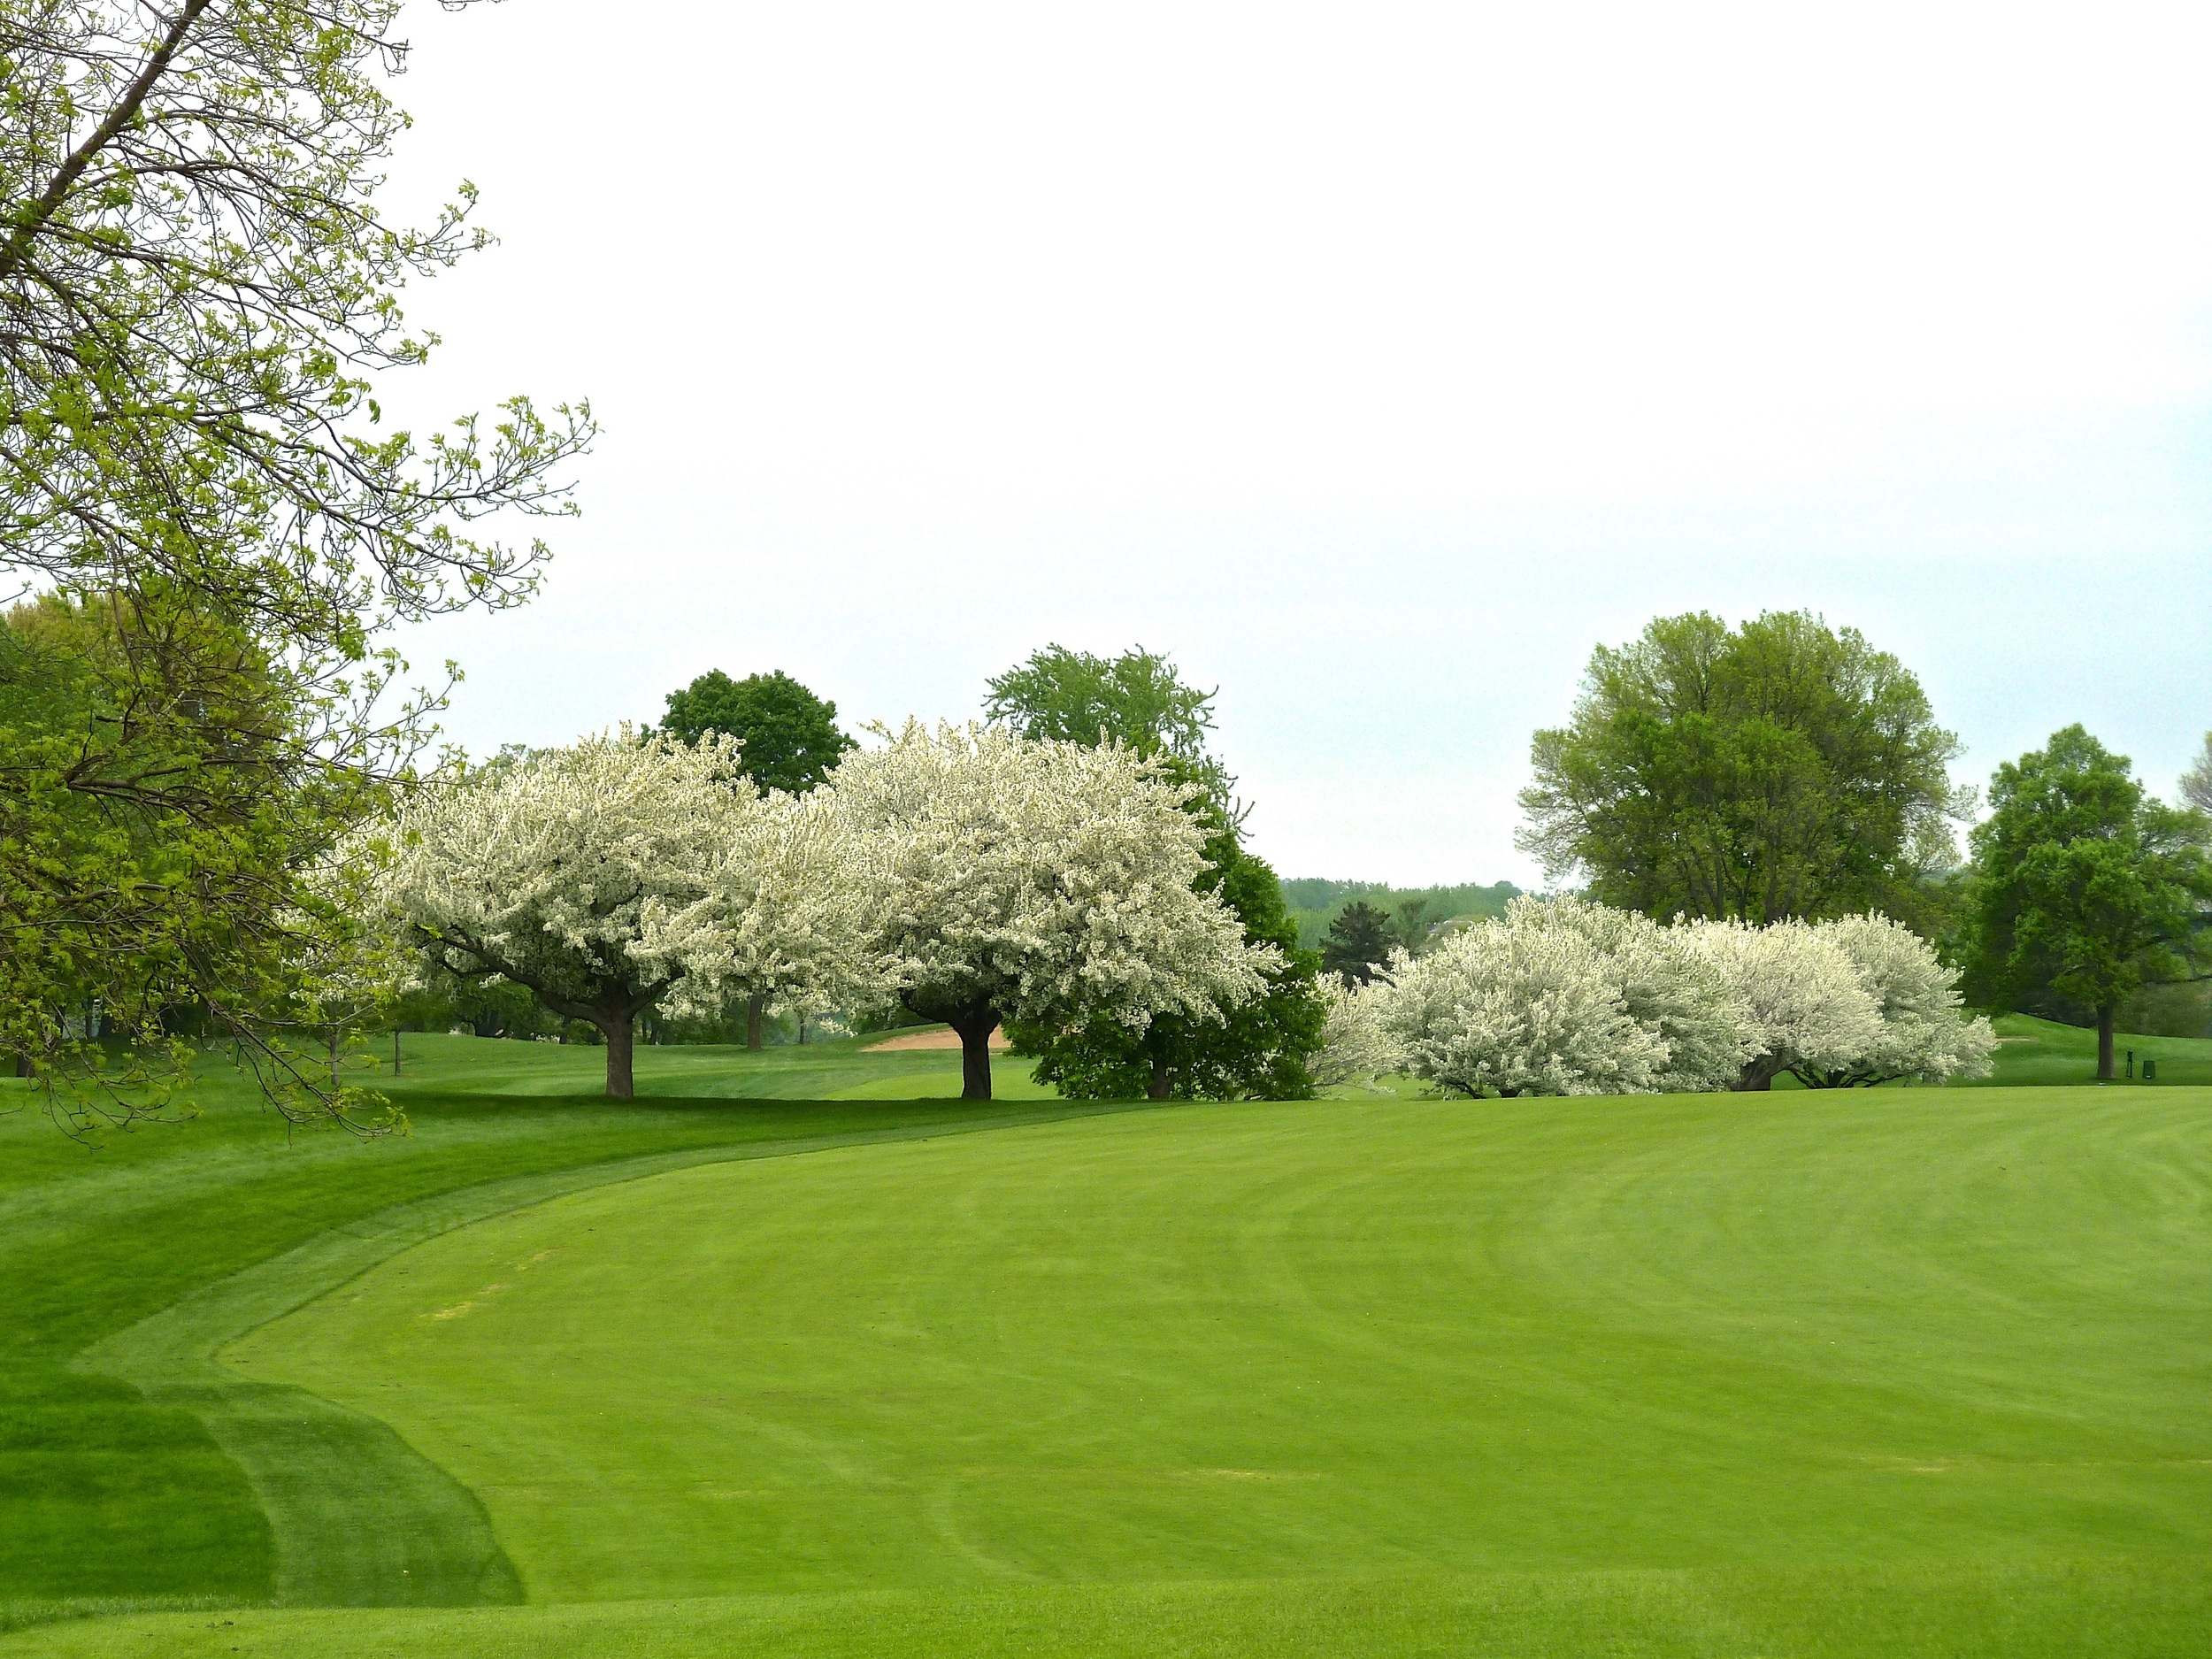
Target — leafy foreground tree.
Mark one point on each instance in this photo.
(1257, 1049)
(604, 876)
(197, 298)
(789, 736)
(1046, 882)
(161, 804)
(1781, 769)
(1360, 940)
(2084, 885)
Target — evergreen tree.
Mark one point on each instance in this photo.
(1359, 940)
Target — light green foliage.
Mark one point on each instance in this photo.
(2196, 783)
(789, 737)
(2084, 885)
(198, 291)
(1779, 769)
(162, 814)
(1138, 698)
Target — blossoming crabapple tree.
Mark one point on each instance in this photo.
(780, 924)
(1557, 997)
(1808, 1007)
(1923, 1030)
(1007, 878)
(1662, 984)
(599, 877)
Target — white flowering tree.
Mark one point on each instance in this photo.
(780, 924)
(1807, 1007)
(1557, 997)
(1012, 878)
(599, 877)
(1924, 1033)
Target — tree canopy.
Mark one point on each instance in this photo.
(2084, 885)
(2196, 783)
(604, 876)
(198, 311)
(1779, 769)
(788, 737)
(1040, 881)
(1138, 698)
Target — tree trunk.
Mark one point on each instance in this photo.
(975, 1025)
(618, 1028)
(333, 1057)
(1161, 1085)
(1758, 1075)
(2105, 1017)
(23, 1065)
(756, 1005)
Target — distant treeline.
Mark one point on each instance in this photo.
(1314, 901)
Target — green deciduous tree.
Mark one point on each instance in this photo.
(1779, 769)
(1138, 698)
(2084, 885)
(790, 736)
(164, 801)
(2196, 783)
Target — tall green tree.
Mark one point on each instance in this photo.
(198, 311)
(2084, 885)
(1780, 769)
(1256, 1050)
(1359, 940)
(790, 736)
(1138, 698)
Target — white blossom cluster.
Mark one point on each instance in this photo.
(959, 869)
(1038, 880)
(1561, 996)
(584, 873)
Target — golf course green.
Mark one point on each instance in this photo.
(1906, 1371)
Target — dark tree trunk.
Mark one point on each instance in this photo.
(1161, 1086)
(975, 1024)
(1758, 1075)
(2105, 1017)
(618, 1028)
(756, 1005)
(23, 1065)
(333, 1056)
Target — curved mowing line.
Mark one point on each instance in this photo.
(360, 1517)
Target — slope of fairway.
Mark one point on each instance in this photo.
(1896, 1339)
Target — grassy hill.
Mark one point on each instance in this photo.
(1891, 1373)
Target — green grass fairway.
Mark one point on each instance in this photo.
(1912, 1343)
(729, 1369)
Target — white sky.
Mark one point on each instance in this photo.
(1376, 362)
